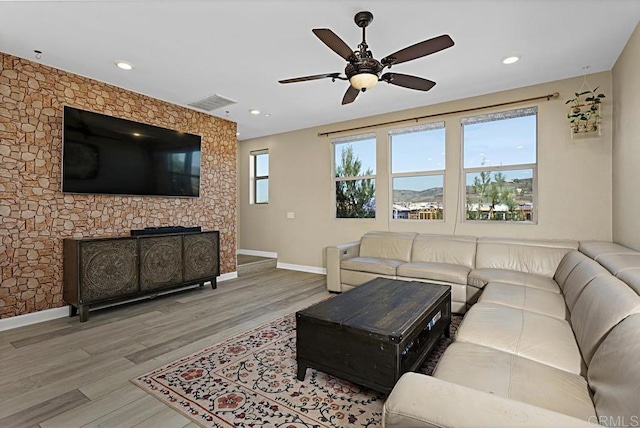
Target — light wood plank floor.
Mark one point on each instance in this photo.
(62, 373)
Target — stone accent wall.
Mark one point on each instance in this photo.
(35, 215)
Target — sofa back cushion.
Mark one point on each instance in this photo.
(631, 277)
(603, 303)
(387, 245)
(455, 250)
(540, 257)
(567, 264)
(613, 374)
(616, 263)
(595, 249)
(578, 279)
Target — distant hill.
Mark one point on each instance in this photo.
(430, 195)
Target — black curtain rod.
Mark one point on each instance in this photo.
(547, 97)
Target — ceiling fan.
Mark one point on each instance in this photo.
(363, 70)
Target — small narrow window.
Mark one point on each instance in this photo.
(260, 177)
(417, 172)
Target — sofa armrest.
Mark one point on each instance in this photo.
(419, 401)
(335, 254)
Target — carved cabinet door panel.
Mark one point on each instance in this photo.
(201, 260)
(160, 262)
(109, 269)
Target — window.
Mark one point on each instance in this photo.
(417, 172)
(355, 176)
(500, 165)
(260, 177)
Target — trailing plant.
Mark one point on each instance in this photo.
(584, 115)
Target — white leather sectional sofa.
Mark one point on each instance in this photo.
(539, 348)
(466, 263)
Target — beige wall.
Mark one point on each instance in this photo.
(626, 144)
(35, 215)
(574, 181)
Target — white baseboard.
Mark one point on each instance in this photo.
(302, 268)
(51, 314)
(33, 318)
(269, 254)
(227, 276)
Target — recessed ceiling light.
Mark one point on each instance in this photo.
(135, 134)
(124, 65)
(511, 59)
(254, 111)
(267, 115)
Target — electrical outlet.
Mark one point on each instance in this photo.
(291, 215)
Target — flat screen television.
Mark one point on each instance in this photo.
(107, 155)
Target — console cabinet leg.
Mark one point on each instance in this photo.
(447, 331)
(214, 284)
(73, 311)
(84, 313)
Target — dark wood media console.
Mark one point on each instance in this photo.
(100, 271)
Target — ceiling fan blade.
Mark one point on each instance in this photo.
(334, 42)
(306, 78)
(407, 81)
(350, 96)
(419, 50)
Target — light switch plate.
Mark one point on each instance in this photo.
(291, 214)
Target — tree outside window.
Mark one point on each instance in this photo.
(354, 166)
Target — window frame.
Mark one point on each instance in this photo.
(509, 114)
(255, 178)
(335, 142)
(423, 173)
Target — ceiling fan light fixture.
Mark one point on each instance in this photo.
(364, 81)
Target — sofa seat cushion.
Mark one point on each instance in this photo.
(354, 278)
(371, 265)
(437, 271)
(517, 378)
(541, 338)
(527, 298)
(481, 277)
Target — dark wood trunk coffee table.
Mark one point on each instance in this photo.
(374, 333)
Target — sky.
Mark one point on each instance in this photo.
(498, 143)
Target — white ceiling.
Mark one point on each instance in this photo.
(186, 50)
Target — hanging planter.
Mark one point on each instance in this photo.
(584, 111)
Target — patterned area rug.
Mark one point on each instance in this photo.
(250, 381)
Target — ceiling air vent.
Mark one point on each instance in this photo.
(213, 102)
